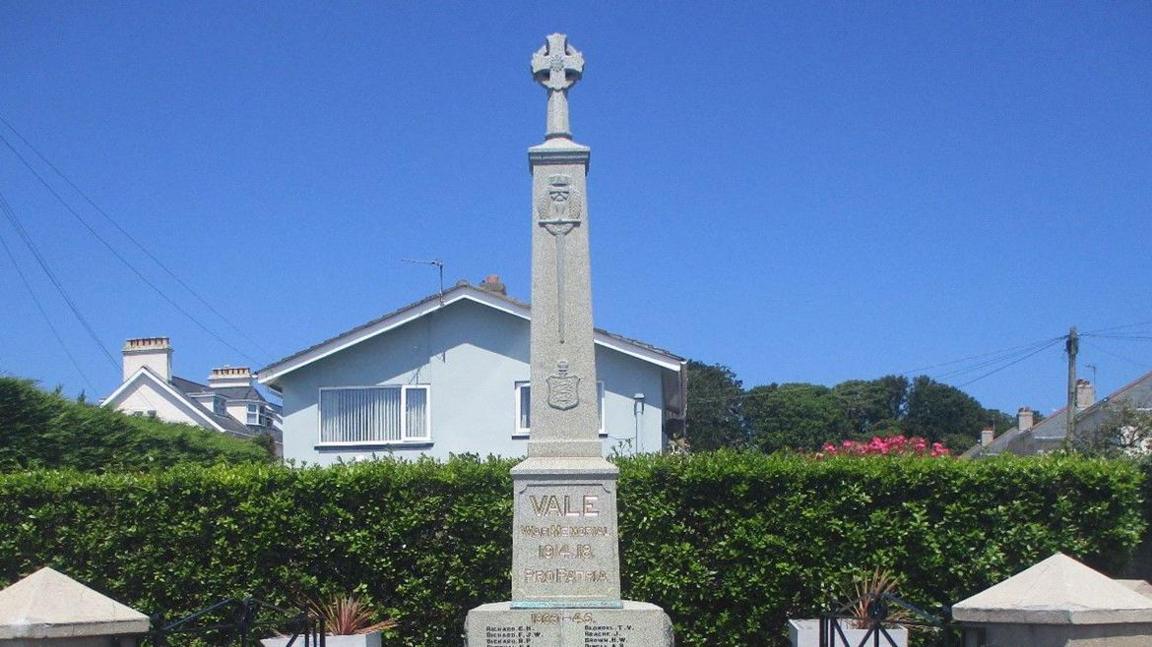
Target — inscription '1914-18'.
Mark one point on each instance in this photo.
(551, 505)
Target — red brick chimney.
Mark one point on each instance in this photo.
(492, 283)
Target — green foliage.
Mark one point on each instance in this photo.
(731, 544)
(801, 417)
(45, 430)
(943, 413)
(873, 407)
(794, 416)
(715, 408)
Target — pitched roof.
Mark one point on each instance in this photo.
(228, 392)
(463, 291)
(49, 604)
(188, 386)
(1056, 591)
(240, 393)
(1049, 433)
(175, 390)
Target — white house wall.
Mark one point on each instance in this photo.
(238, 410)
(144, 397)
(472, 356)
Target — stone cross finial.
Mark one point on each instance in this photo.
(557, 66)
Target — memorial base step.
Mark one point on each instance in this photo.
(636, 624)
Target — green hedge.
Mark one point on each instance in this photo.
(41, 430)
(729, 544)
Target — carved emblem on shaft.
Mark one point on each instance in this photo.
(558, 211)
(563, 389)
(559, 208)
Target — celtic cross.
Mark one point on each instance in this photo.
(557, 66)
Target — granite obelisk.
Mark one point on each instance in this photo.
(565, 548)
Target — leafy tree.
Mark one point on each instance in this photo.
(944, 413)
(803, 417)
(715, 408)
(1002, 422)
(794, 416)
(1125, 431)
(872, 407)
(46, 430)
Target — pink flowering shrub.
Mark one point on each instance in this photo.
(885, 446)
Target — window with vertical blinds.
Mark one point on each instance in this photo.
(374, 414)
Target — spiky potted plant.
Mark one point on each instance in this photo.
(857, 622)
(347, 622)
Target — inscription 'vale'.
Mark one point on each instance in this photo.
(551, 505)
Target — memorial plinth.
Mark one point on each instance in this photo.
(565, 547)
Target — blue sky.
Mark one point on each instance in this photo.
(804, 192)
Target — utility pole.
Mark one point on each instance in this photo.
(1071, 346)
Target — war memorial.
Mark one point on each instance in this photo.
(565, 547)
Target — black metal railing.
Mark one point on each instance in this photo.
(239, 622)
(878, 614)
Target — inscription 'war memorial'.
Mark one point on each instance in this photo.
(565, 547)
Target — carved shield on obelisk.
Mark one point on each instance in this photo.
(563, 389)
(559, 208)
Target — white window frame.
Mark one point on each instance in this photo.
(524, 432)
(405, 437)
(252, 412)
(519, 430)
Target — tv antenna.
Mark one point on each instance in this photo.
(439, 264)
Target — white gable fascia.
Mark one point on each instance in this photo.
(469, 293)
(639, 352)
(143, 373)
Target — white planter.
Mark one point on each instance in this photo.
(806, 633)
(359, 640)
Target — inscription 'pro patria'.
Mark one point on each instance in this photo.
(564, 544)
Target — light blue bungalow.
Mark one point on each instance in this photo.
(449, 375)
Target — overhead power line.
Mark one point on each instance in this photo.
(23, 233)
(1024, 347)
(996, 360)
(1014, 362)
(1121, 337)
(44, 313)
(143, 248)
(1000, 359)
(1097, 348)
(1138, 324)
(140, 275)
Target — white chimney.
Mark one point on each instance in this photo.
(229, 377)
(1085, 394)
(1024, 419)
(152, 352)
(987, 436)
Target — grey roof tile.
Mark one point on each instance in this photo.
(1049, 433)
(459, 287)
